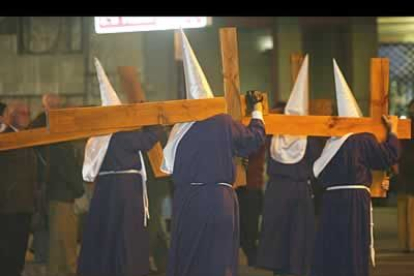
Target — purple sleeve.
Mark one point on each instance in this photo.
(381, 156)
(143, 139)
(247, 140)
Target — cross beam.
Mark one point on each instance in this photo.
(78, 123)
(325, 126)
(42, 136)
(133, 115)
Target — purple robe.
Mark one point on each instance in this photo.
(115, 241)
(288, 226)
(205, 227)
(343, 238)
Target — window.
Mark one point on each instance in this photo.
(401, 56)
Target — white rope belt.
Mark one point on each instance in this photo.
(371, 217)
(220, 183)
(144, 190)
(344, 187)
(132, 171)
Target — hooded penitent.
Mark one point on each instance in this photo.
(347, 107)
(290, 149)
(197, 87)
(97, 147)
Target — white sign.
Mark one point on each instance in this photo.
(120, 24)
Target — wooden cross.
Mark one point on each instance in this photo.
(76, 123)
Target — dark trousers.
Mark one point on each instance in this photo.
(14, 235)
(251, 203)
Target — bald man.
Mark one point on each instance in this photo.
(51, 101)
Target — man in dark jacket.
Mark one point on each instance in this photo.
(64, 185)
(17, 185)
(60, 171)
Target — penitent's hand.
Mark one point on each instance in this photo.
(254, 96)
(253, 101)
(385, 185)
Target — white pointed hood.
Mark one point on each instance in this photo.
(347, 107)
(96, 147)
(197, 87)
(108, 94)
(196, 83)
(289, 149)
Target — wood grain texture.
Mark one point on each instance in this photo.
(41, 136)
(231, 81)
(133, 115)
(379, 84)
(231, 75)
(326, 126)
(275, 124)
(87, 128)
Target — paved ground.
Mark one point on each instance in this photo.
(390, 260)
(388, 264)
(394, 264)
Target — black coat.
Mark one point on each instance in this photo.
(18, 180)
(64, 182)
(59, 168)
